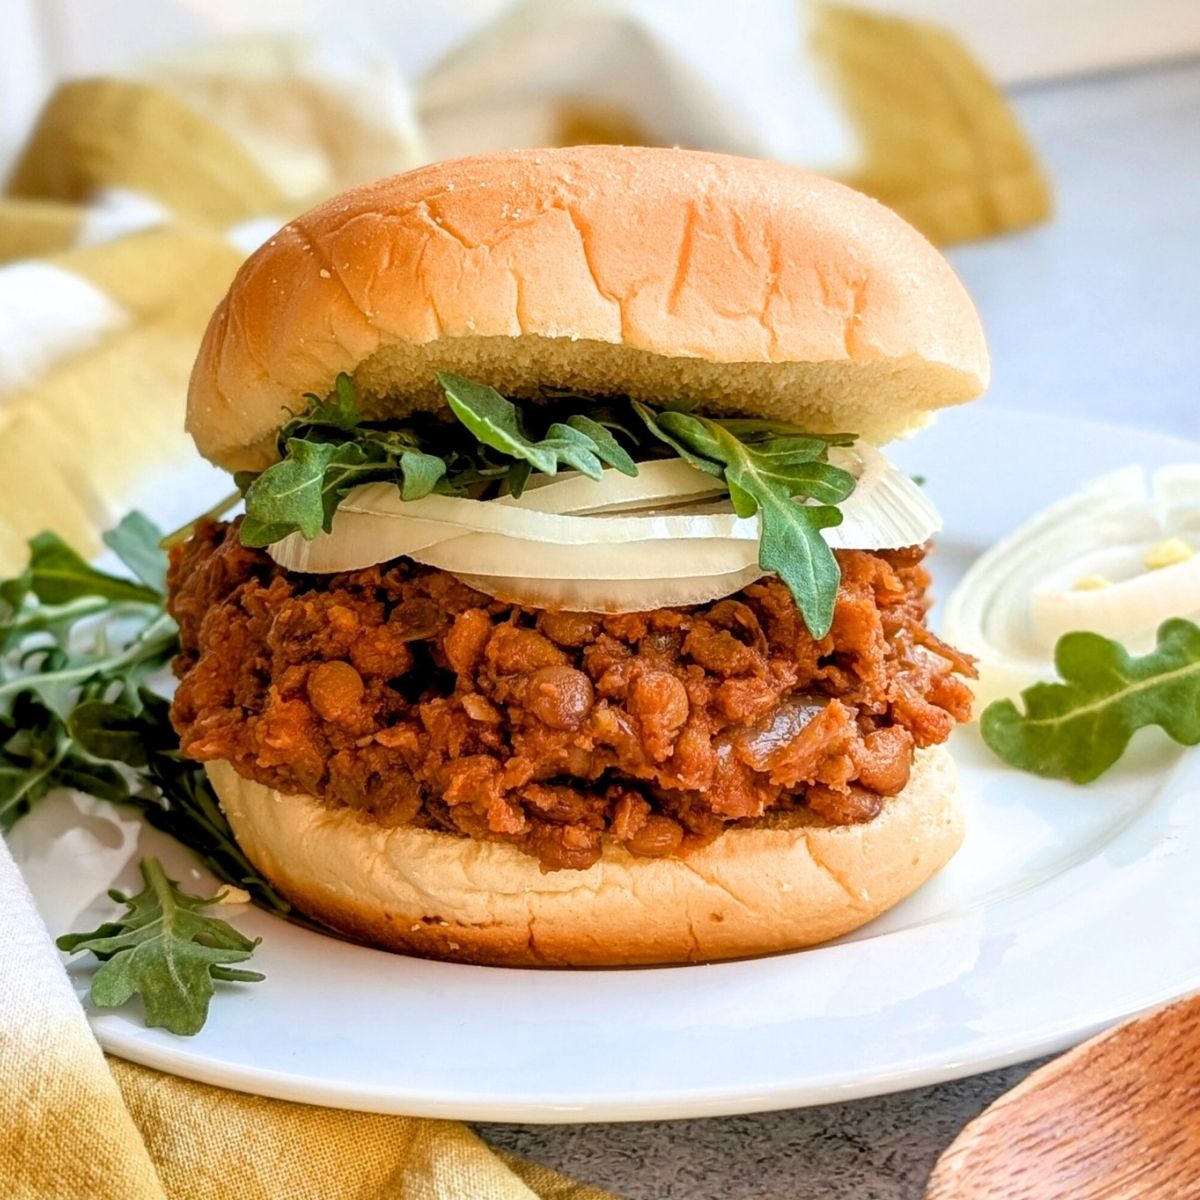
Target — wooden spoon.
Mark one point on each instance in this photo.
(1117, 1118)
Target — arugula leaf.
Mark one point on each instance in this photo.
(330, 449)
(421, 473)
(573, 447)
(46, 666)
(167, 950)
(767, 478)
(38, 754)
(111, 731)
(791, 544)
(494, 421)
(171, 791)
(579, 443)
(755, 429)
(55, 673)
(75, 713)
(338, 411)
(135, 541)
(44, 656)
(326, 452)
(606, 447)
(342, 410)
(76, 646)
(58, 575)
(518, 478)
(300, 492)
(1079, 728)
(654, 423)
(12, 600)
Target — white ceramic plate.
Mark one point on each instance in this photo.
(1067, 909)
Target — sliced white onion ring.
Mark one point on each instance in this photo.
(527, 524)
(606, 545)
(1023, 594)
(357, 540)
(617, 595)
(492, 554)
(886, 511)
(669, 480)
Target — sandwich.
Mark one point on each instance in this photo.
(575, 616)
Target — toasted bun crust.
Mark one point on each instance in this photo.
(752, 891)
(749, 286)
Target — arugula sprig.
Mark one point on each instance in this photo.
(69, 635)
(78, 647)
(1079, 728)
(171, 792)
(166, 949)
(768, 466)
(330, 449)
(324, 453)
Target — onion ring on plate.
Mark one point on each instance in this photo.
(1080, 564)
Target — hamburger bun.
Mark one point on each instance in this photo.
(751, 891)
(750, 287)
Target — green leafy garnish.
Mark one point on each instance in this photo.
(172, 792)
(303, 490)
(766, 470)
(579, 443)
(495, 422)
(330, 449)
(167, 950)
(78, 650)
(56, 574)
(769, 467)
(1079, 728)
(325, 453)
(135, 541)
(603, 444)
(70, 633)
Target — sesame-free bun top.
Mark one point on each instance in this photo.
(749, 286)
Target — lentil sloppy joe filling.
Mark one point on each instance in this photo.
(400, 691)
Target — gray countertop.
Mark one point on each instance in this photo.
(1097, 313)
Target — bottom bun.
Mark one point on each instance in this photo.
(752, 891)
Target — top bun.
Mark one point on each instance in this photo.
(749, 286)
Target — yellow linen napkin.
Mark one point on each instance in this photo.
(125, 218)
(896, 108)
(75, 1126)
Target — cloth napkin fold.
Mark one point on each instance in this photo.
(77, 1126)
(125, 217)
